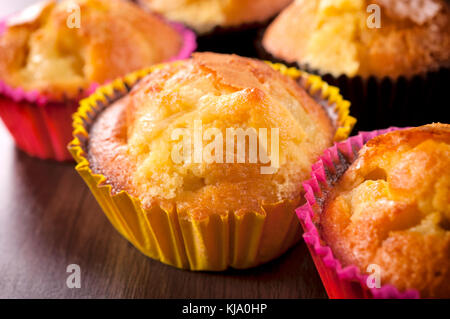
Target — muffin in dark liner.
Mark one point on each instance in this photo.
(386, 102)
(238, 39)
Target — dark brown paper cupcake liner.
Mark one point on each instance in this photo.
(385, 102)
(395, 102)
(234, 39)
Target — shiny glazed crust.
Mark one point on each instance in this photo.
(334, 37)
(204, 15)
(39, 51)
(131, 141)
(392, 208)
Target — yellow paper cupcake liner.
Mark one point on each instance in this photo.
(213, 243)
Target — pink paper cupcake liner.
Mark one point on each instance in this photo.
(189, 41)
(43, 128)
(340, 282)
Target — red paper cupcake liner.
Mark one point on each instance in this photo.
(43, 128)
(41, 131)
(340, 282)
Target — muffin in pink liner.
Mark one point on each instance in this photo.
(49, 61)
(406, 271)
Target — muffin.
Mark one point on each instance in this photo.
(232, 205)
(389, 72)
(223, 26)
(205, 15)
(50, 58)
(391, 208)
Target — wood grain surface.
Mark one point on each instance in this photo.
(49, 219)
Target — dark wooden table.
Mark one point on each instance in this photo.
(49, 219)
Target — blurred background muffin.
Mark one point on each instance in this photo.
(49, 60)
(227, 26)
(394, 74)
(226, 208)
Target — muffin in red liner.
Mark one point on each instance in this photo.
(343, 280)
(47, 67)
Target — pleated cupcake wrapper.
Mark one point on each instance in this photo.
(189, 41)
(386, 101)
(394, 101)
(42, 127)
(213, 243)
(237, 39)
(233, 40)
(39, 130)
(340, 282)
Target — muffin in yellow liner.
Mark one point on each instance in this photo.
(214, 241)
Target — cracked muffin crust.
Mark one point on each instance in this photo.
(39, 51)
(392, 208)
(333, 37)
(131, 141)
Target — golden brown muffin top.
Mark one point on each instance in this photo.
(334, 36)
(392, 208)
(39, 51)
(132, 142)
(204, 15)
